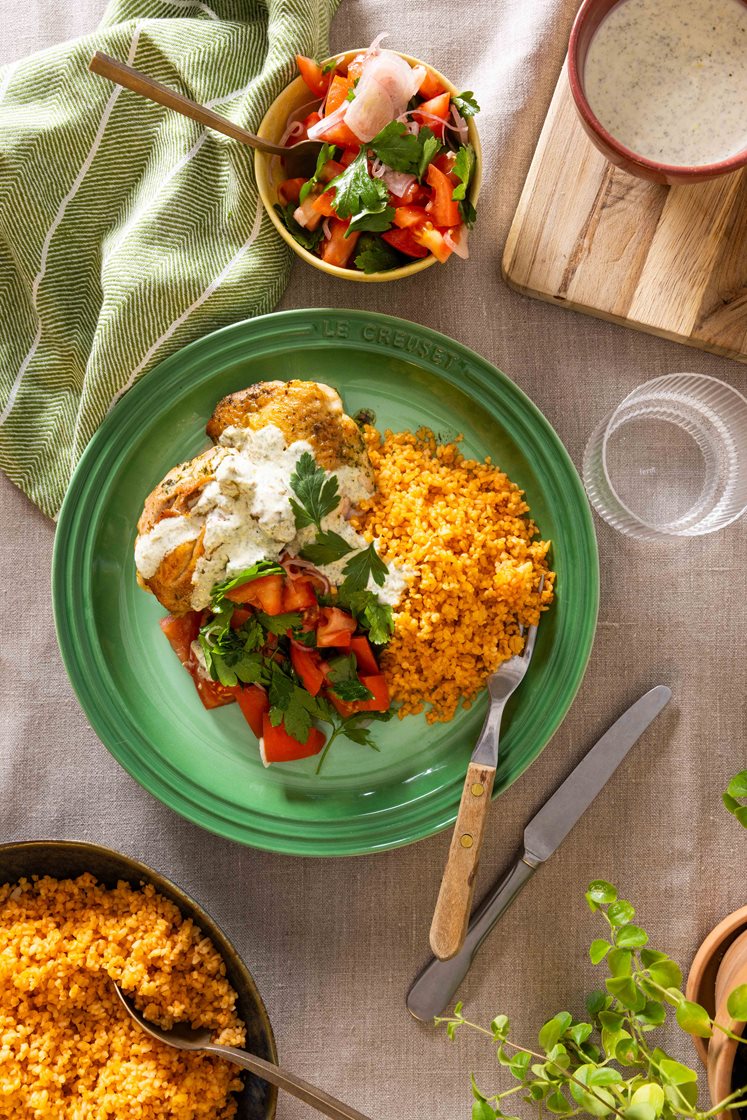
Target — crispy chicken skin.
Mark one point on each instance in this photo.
(303, 410)
(175, 495)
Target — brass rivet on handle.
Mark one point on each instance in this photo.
(478, 789)
(466, 840)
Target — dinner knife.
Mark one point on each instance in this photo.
(437, 984)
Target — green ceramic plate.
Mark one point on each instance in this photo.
(142, 704)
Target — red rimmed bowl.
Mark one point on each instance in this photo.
(587, 23)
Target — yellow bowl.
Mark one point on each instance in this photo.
(269, 173)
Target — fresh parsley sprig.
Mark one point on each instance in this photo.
(360, 197)
(316, 494)
(326, 153)
(369, 612)
(328, 547)
(365, 565)
(403, 151)
(466, 103)
(256, 571)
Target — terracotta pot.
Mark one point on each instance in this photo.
(719, 967)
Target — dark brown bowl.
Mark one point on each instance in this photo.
(590, 15)
(64, 859)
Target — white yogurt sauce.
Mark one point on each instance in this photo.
(247, 516)
(668, 78)
(163, 538)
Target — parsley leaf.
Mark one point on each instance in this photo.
(375, 255)
(329, 66)
(317, 495)
(328, 547)
(356, 190)
(430, 145)
(363, 566)
(256, 571)
(396, 147)
(400, 150)
(468, 212)
(376, 220)
(231, 655)
(370, 614)
(466, 104)
(306, 238)
(279, 623)
(326, 153)
(463, 167)
(351, 690)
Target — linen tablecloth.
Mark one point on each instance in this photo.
(334, 945)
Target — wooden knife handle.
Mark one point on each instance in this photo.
(451, 916)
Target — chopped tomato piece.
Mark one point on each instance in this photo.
(406, 216)
(415, 195)
(307, 662)
(254, 703)
(344, 707)
(279, 746)
(335, 628)
(436, 107)
(312, 119)
(212, 693)
(445, 161)
(181, 630)
(430, 86)
(380, 700)
(289, 190)
(239, 617)
(444, 211)
(265, 593)
(350, 153)
(364, 655)
(404, 241)
(342, 136)
(331, 170)
(432, 240)
(339, 89)
(298, 594)
(338, 249)
(311, 72)
(355, 68)
(323, 204)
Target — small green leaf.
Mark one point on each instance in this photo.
(605, 1075)
(554, 1029)
(476, 1092)
(737, 787)
(500, 1027)
(652, 956)
(579, 1032)
(620, 962)
(649, 1094)
(599, 949)
(666, 973)
(695, 1019)
(641, 1111)
(736, 1004)
(519, 1064)
(481, 1110)
(601, 892)
(558, 1104)
(623, 988)
(631, 937)
(595, 1002)
(675, 1073)
(620, 912)
(653, 1014)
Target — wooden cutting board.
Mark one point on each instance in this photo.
(669, 260)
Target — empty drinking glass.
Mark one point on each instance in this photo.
(671, 459)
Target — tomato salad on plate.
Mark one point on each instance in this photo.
(391, 183)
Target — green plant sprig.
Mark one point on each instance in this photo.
(606, 1066)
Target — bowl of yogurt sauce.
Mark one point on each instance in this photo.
(661, 85)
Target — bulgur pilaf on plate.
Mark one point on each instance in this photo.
(68, 1050)
(459, 527)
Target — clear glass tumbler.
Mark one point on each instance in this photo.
(671, 459)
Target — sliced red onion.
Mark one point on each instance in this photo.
(386, 85)
(458, 242)
(428, 117)
(316, 132)
(327, 230)
(461, 124)
(298, 568)
(293, 129)
(397, 181)
(300, 216)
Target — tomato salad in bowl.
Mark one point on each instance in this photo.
(397, 177)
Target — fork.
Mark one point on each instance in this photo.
(451, 916)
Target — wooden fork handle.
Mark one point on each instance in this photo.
(451, 916)
(138, 82)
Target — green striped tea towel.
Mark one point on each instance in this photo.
(126, 230)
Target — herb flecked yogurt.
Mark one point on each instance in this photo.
(668, 79)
